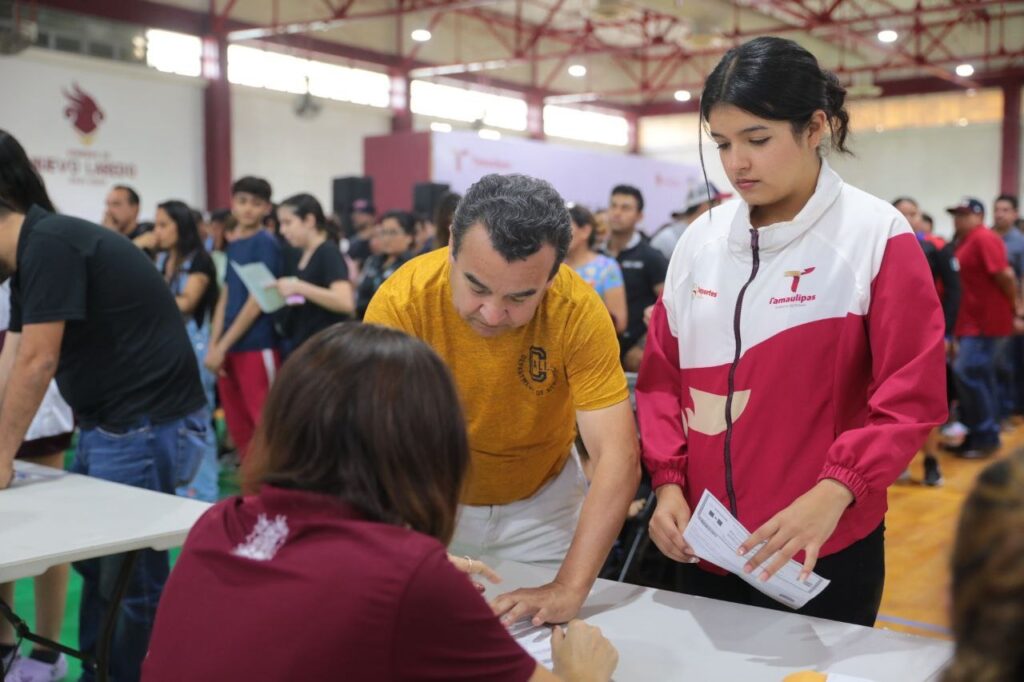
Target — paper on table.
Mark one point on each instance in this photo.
(536, 640)
(257, 278)
(23, 477)
(715, 535)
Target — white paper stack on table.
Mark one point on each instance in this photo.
(715, 535)
(259, 280)
(535, 639)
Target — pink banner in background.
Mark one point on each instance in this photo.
(582, 176)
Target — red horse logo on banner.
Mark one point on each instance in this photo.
(83, 112)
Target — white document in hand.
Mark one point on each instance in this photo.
(715, 535)
(259, 280)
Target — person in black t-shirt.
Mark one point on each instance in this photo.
(89, 308)
(192, 277)
(319, 294)
(643, 269)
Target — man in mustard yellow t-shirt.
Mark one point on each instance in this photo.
(534, 353)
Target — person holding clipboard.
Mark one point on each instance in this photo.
(319, 293)
(243, 343)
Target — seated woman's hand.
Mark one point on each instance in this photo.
(582, 653)
(472, 567)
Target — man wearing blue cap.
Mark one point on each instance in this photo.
(985, 320)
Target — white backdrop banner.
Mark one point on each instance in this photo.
(582, 176)
(89, 124)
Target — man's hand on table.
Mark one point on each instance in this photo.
(551, 603)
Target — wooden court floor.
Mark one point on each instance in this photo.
(920, 528)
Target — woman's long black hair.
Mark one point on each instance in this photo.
(20, 183)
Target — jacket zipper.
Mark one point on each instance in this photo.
(732, 373)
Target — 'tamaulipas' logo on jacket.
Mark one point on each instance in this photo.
(796, 275)
(796, 298)
(799, 298)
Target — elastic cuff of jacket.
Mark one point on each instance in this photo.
(848, 477)
(667, 476)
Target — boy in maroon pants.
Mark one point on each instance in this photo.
(243, 343)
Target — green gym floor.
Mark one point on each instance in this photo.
(24, 602)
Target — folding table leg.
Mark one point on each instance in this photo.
(110, 620)
(22, 632)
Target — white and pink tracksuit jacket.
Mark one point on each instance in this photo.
(804, 350)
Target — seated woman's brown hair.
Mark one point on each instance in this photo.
(988, 578)
(371, 416)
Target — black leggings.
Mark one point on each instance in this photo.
(857, 574)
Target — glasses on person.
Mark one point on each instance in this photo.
(387, 233)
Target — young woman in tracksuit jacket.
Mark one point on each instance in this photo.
(795, 362)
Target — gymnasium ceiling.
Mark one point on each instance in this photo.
(637, 54)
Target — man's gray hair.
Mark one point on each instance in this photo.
(521, 214)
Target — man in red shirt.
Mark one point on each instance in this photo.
(983, 324)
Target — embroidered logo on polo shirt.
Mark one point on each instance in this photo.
(632, 265)
(535, 373)
(266, 538)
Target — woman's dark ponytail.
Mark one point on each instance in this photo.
(838, 117)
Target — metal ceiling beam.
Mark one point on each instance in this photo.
(894, 88)
(329, 23)
(659, 68)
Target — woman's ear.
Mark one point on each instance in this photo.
(816, 128)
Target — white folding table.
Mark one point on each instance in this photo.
(49, 518)
(666, 636)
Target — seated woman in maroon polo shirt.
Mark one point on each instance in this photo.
(336, 568)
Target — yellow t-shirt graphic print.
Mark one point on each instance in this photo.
(520, 390)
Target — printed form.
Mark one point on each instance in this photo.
(715, 535)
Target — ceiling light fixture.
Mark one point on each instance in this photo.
(965, 70)
(577, 71)
(888, 36)
(421, 35)
(682, 95)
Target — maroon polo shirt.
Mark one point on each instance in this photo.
(289, 585)
(984, 308)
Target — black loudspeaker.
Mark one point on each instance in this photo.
(425, 197)
(348, 190)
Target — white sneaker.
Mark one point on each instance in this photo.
(954, 430)
(31, 670)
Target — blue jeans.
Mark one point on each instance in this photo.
(151, 456)
(205, 485)
(1009, 373)
(978, 389)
